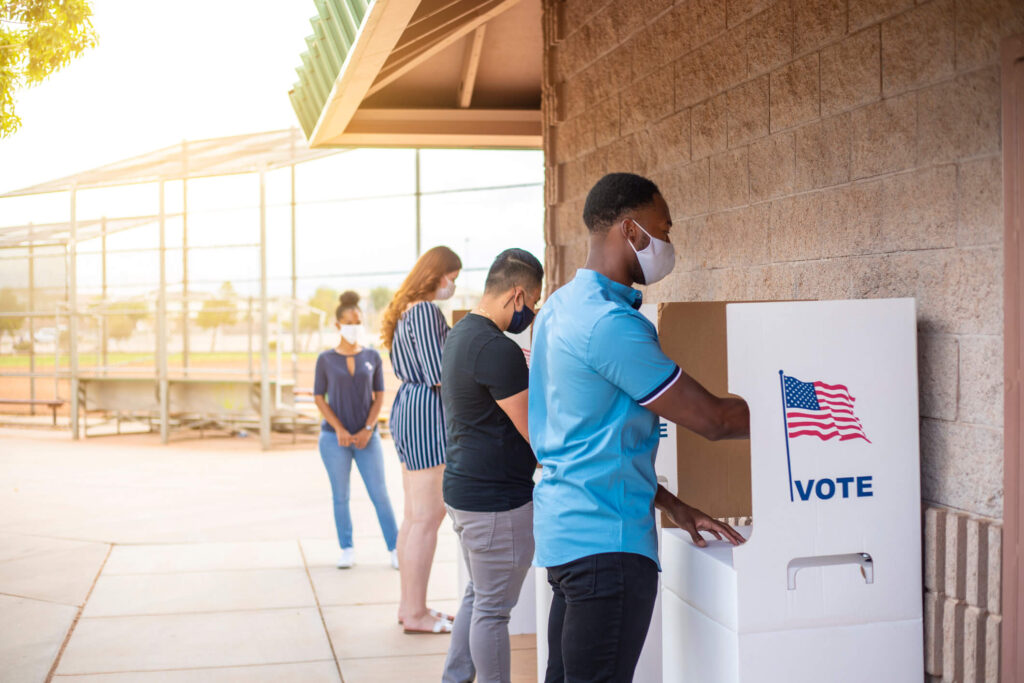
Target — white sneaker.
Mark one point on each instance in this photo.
(348, 558)
(394, 559)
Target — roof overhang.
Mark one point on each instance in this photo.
(423, 73)
(231, 155)
(59, 234)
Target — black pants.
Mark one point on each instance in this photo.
(599, 617)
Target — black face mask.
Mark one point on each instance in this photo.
(521, 319)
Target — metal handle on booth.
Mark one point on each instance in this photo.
(864, 560)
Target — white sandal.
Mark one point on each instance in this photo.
(440, 626)
(437, 615)
(440, 615)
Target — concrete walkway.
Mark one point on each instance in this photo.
(123, 560)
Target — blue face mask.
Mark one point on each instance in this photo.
(521, 319)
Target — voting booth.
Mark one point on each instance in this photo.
(828, 586)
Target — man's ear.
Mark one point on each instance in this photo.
(629, 231)
(516, 291)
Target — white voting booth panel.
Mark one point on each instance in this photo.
(828, 588)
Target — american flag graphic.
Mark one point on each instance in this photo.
(821, 410)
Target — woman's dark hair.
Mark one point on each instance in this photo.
(347, 301)
(614, 195)
(514, 267)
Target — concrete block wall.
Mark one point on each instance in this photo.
(814, 149)
(962, 598)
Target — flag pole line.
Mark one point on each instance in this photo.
(785, 429)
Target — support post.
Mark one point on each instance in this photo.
(419, 232)
(278, 360)
(470, 66)
(265, 407)
(249, 324)
(72, 280)
(1012, 588)
(56, 346)
(161, 325)
(105, 314)
(184, 260)
(295, 286)
(32, 320)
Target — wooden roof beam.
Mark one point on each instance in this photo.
(395, 69)
(470, 66)
(493, 128)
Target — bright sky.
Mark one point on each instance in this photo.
(165, 72)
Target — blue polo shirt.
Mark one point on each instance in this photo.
(595, 363)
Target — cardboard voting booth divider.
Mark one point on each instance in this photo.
(828, 587)
(714, 477)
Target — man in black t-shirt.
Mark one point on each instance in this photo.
(488, 479)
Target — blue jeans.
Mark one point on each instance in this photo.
(370, 461)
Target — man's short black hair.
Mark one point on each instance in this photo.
(614, 195)
(514, 267)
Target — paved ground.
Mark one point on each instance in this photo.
(122, 560)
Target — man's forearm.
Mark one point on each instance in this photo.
(734, 419)
(664, 500)
(690, 405)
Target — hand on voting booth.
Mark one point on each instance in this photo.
(693, 521)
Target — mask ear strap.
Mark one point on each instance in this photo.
(625, 234)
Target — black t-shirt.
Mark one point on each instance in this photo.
(489, 465)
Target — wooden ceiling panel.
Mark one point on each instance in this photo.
(419, 86)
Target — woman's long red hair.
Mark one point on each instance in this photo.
(422, 281)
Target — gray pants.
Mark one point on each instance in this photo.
(498, 547)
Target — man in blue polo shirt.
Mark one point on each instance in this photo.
(600, 380)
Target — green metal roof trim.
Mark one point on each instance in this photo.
(334, 31)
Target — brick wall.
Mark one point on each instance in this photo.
(962, 596)
(819, 149)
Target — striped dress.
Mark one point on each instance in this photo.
(417, 419)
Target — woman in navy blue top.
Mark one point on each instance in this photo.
(349, 390)
(414, 329)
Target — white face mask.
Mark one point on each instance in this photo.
(350, 333)
(446, 290)
(657, 259)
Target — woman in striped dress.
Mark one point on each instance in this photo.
(414, 329)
